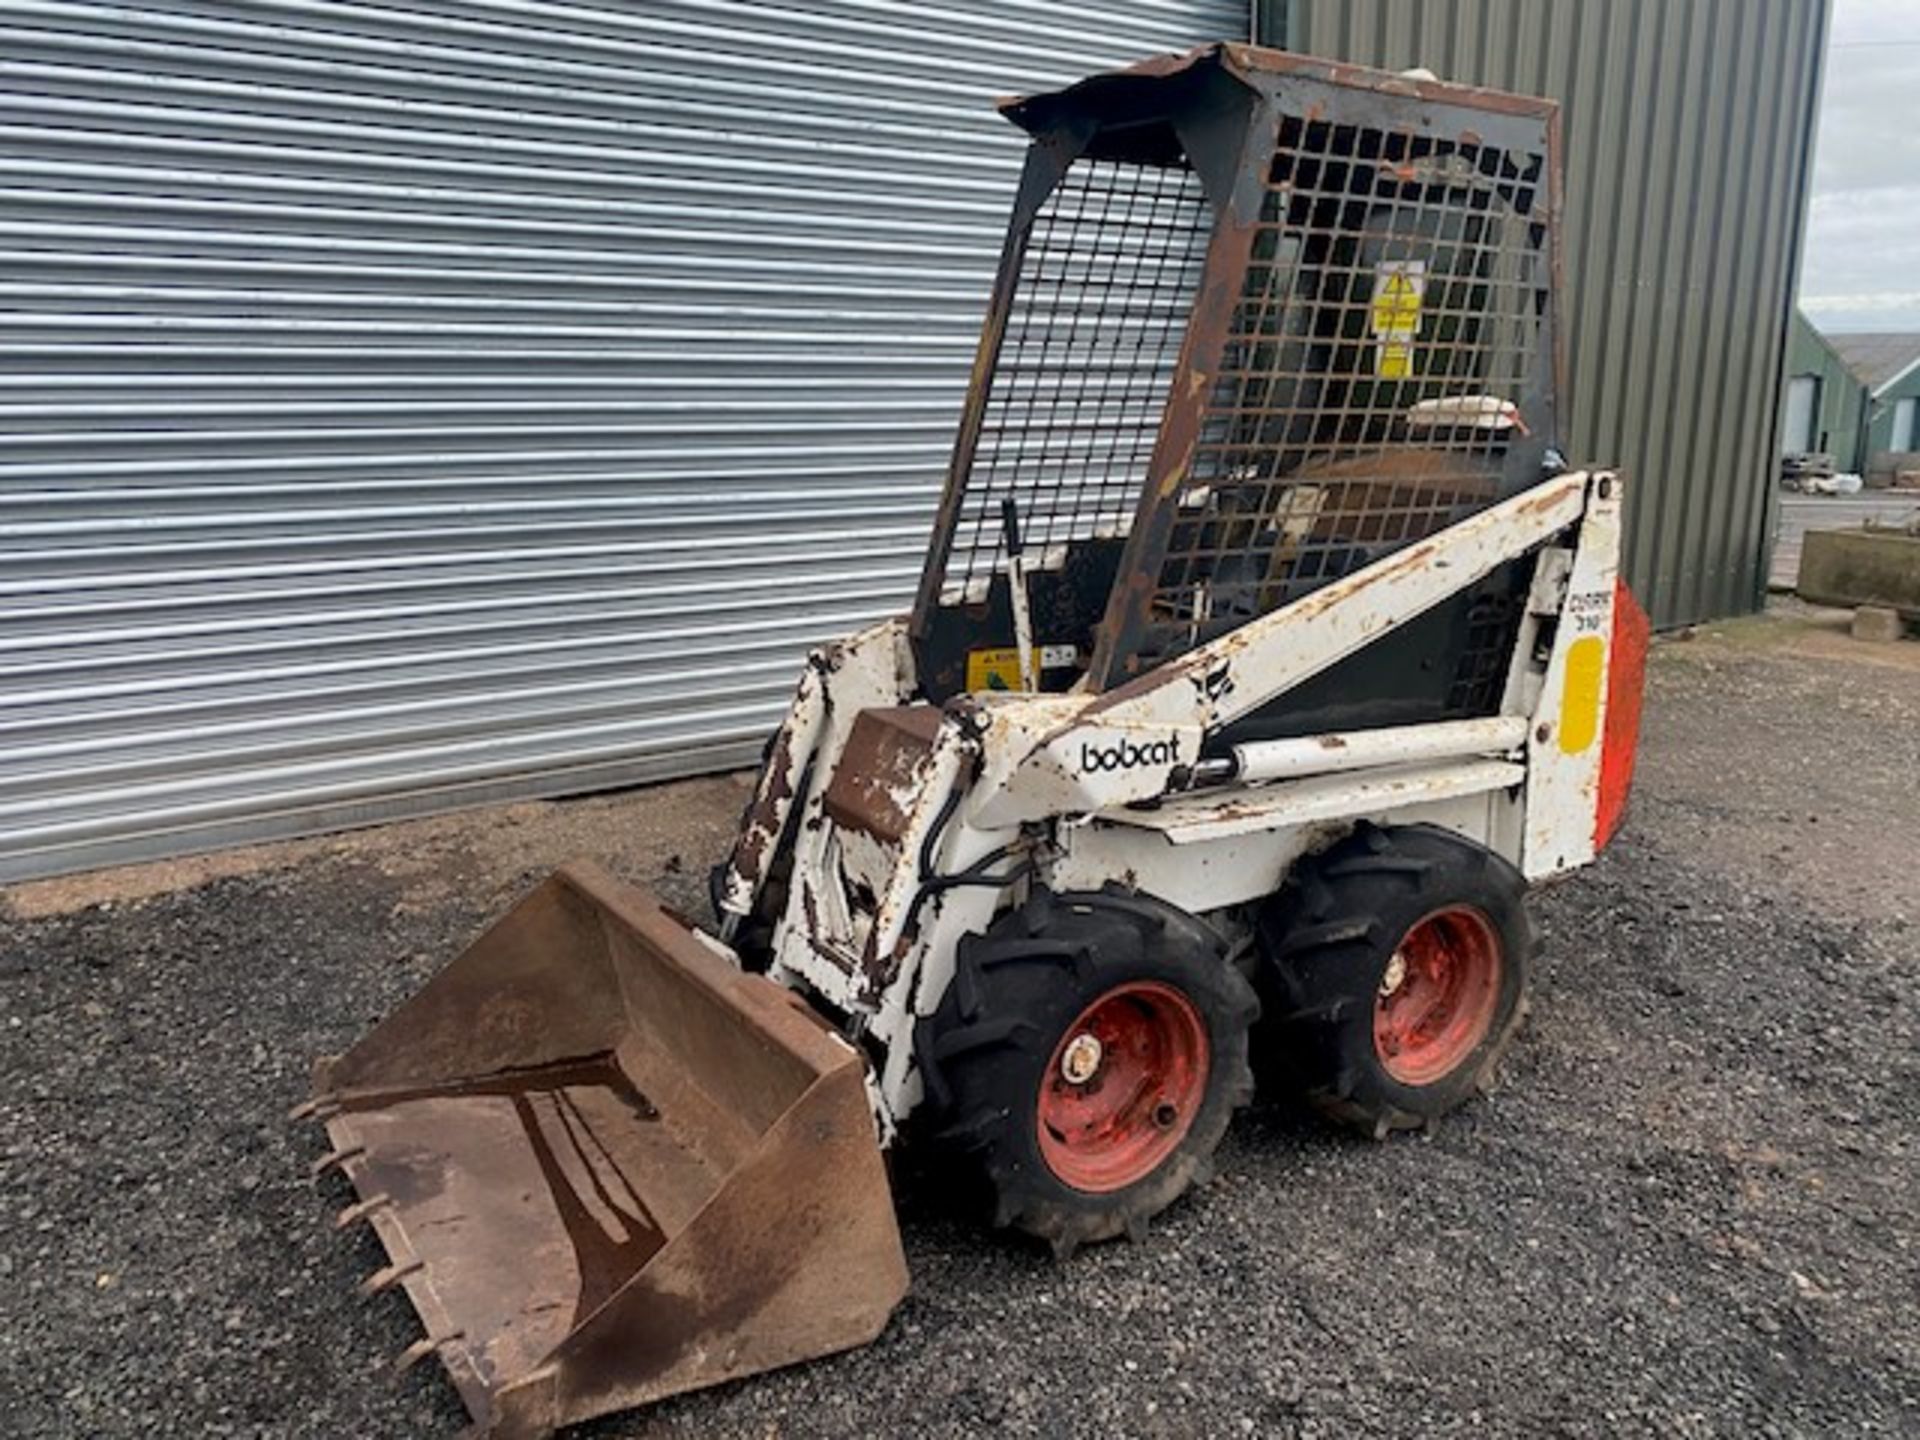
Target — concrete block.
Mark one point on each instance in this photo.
(1861, 567)
(1878, 622)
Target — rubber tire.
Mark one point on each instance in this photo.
(1015, 990)
(1326, 940)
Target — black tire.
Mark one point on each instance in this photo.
(1328, 942)
(986, 1051)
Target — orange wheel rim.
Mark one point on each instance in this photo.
(1438, 998)
(1123, 1087)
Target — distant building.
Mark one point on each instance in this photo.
(1888, 367)
(1820, 404)
(1853, 397)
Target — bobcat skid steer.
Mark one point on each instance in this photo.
(1266, 651)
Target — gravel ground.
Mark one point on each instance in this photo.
(1691, 1208)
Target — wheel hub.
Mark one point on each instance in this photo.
(1438, 996)
(1080, 1061)
(1124, 1086)
(1396, 974)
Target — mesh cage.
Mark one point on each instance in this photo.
(1392, 307)
(1092, 341)
(1259, 322)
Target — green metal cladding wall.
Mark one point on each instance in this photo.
(1688, 129)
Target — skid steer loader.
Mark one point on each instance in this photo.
(1266, 650)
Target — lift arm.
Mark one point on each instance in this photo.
(1127, 745)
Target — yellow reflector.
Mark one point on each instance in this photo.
(1580, 702)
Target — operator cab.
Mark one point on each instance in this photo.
(1224, 366)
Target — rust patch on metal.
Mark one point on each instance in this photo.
(767, 810)
(1253, 62)
(878, 775)
(810, 915)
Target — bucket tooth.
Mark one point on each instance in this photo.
(360, 1210)
(611, 1165)
(420, 1349)
(388, 1276)
(334, 1158)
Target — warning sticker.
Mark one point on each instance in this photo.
(1399, 286)
(994, 670)
(1393, 360)
(999, 669)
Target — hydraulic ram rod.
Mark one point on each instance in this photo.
(1364, 749)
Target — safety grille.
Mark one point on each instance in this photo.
(1388, 325)
(1092, 342)
(1480, 668)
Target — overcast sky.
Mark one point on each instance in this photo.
(1862, 268)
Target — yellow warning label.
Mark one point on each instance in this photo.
(1580, 701)
(1394, 360)
(1398, 288)
(1396, 302)
(994, 670)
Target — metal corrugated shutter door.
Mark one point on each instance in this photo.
(414, 404)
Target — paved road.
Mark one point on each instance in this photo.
(1801, 513)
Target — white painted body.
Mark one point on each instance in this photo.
(1074, 791)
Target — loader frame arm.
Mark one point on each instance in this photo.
(1246, 668)
(1158, 724)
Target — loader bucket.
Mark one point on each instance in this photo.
(608, 1166)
